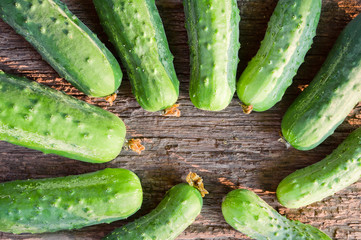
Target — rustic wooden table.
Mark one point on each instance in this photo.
(228, 149)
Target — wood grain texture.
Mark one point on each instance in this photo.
(228, 149)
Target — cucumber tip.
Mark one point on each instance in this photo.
(284, 141)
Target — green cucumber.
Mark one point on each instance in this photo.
(136, 31)
(65, 43)
(38, 117)
(213, 32)
(330, 97)
(337, 171)
(72, 202)
(249, 214)
(179, 208)
(288, 38)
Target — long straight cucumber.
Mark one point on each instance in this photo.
(38, 117)
(136, 31)
(337, 171)
(288, 38)
(65, 43)
(213, 32)
(330, 97)
(179, 208)
(54, 204)
(249, 214)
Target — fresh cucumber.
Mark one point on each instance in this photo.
(53, 204)
(65, 43)
(179, 208)
(213, 32)
(288, 38)
(330, 97)
(337, 171)
(136, 30)
(38, 117)
(249, 214)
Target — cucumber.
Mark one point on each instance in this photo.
(333, 93)
(213, 33)
(288, 38)
(136, 31)
(38, 117)
(72, 202)
(249, 214)
(337, 171)
(65, 43)
(179, 208)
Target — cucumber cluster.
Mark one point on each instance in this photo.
(38, 117)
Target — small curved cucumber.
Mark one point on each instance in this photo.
(54, 204)
(38, 117)
(249, 214)
(288, 38)
(179, 208)
(65, 43)
(332, 94)
(213, 32)
(136, 31)
(337, 171)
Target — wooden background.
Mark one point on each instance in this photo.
(228, 149)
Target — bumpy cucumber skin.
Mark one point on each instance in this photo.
(337, 171)
(179, 208)
(136, 31)
(38, 117)
(213, 32)
(330, 97)
(72, 202)
(249, 214)
(288, 38)
(65, 43)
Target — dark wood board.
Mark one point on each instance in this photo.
(228, 149)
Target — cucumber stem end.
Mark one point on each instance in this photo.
(172, 111)
(247, 109)
(111, 98)
(196, 181)
(136, 145)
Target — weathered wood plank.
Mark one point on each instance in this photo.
(228, 148)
